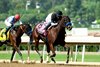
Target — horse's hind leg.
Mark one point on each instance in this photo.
(13, 53)
(36, 48)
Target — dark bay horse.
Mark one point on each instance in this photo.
(55, 36)
(14, 39)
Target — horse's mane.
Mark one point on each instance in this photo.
(68, 18)
(17, 26)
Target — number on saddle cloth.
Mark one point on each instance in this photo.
(40, 28)
(2, 35)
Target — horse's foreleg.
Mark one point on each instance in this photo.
(20, 54)
(53, 53)
(48, 51)
(68, 55)
(12, 55)
(48, 55)
(18, 51)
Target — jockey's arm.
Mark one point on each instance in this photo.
(14, 22)
(54, 18)
(20, 22)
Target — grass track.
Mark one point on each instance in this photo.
(59, 57)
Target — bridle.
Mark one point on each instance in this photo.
(27, 32)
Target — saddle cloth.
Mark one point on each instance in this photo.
(3, 35)
(40, 28)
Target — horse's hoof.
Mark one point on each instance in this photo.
(67, 62)
(14, 61)
(28, 61)
(53, 60)
(33, 62)
(48, 62)
(41, 61)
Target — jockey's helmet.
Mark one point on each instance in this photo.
(59, 13)
(17, 17)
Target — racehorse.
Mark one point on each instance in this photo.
(14, 39)
(55, 36)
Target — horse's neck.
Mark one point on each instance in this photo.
(59, 27)
(20, 32)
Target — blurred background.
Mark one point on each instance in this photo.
(83, 13)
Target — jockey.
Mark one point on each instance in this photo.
(52, 19)
(10, 21)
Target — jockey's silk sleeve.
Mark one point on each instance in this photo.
(20, 22)
(13, 21)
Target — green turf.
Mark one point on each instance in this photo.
(2, 25)
(59, 57)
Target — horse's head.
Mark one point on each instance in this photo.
(26, 28)
(67, 22)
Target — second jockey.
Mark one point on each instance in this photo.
(10, 21)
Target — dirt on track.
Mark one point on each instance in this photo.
(44, 65)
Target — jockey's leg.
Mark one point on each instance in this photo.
(50, 24)
(7, 29)
(47, 26)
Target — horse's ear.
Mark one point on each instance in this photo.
(68, 18)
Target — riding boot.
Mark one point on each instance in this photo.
(7, 29)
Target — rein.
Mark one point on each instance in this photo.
(22, 28)
(29, 32)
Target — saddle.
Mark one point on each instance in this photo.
(41, 28)
(3, 35)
